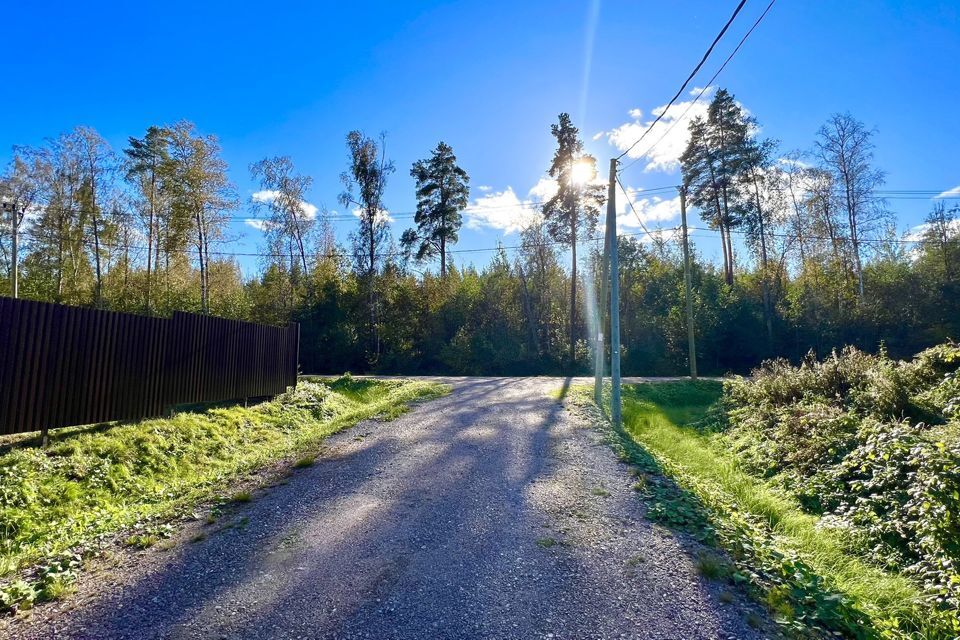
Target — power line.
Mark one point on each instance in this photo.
(703, 90)
(104, 245)
(689, 78)
(824, 238)
(630, 202)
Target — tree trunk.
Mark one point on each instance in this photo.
(573, 293)
(15, 251)
(374, 342)
(764, 284)
(443, 257)
(723, 247)
(443, 235)
(153, 198)
(730, 253)
(525, 297)
(201, 244)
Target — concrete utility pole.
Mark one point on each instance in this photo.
(601, 317)
(615, 406)
(686, 281)
(598, 346)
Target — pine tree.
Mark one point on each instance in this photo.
(712, 164)
(148, 159)
(575, 207)
(442, 193)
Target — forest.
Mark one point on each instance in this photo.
(811, 256)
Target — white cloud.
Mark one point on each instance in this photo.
(916, 233)
(504, 210)
(652, 210)
(949, 193)
(484, 188)
(383, 215)
(545, 189)
(665, 156)
(267, 196)
(257, 223)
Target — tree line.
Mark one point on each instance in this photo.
(147, 230)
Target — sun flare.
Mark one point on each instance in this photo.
(582, 172)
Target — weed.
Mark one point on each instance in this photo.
(200, 537)
(304, 462)
(712, 566)
(754, 621)
(142, 541)
(58, 587)
(241, 497)
(546, 543)
(635, 560)
(726, 597)
(166, 545)
(600, 491)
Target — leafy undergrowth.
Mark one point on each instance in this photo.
(94, 486)
(806, 572)
(871, 447)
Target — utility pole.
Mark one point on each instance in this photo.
(601, 317)
(615, 408)
(691, 340)
(597, 347)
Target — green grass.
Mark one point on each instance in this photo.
(93, 486)
(808, 579)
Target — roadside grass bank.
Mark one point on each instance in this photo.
(806, 571)
(94, 487)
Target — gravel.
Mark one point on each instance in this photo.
(489, 513)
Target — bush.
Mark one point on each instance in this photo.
(870, 444)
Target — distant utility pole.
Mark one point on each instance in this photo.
(691, 340)
(615, 407)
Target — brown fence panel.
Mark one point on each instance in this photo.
(62, 365)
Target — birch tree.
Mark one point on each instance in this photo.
(201, 193)
(844, 147)
(290, 220)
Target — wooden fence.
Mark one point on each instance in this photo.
(62, 365)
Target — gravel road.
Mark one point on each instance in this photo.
(489, 513)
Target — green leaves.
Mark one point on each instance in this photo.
(843, 436)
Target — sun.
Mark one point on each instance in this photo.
(582, 172)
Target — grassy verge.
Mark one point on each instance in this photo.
(94, 486)
(802, 570)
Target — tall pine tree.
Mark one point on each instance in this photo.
(442, 193)
(575, 207)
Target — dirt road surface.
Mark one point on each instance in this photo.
(489, 513)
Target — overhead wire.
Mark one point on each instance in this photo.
(689, 77)
(702, 90)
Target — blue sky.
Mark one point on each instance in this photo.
(486, 77)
